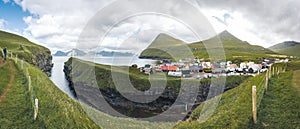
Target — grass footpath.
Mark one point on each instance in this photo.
(56, 109)
(296, 81)
(281, 105)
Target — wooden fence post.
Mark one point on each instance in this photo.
(269, 73)
(27, 74)
(273, 71)
(267, 80)
(36, 108)
(17, 58)
(22, 63)
(254, 110)
(29, 84)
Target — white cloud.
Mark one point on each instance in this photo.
(58, 24)
(2, 23)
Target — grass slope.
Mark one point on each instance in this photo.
(280, 106)
(56, 109)
(290, 48)
(292, 51)
(235, 107)
(22, 47)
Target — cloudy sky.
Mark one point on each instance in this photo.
(61, 24)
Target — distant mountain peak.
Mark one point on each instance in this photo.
(226, 34)
(163, 36)
(285, 44)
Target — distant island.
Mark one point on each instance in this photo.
(114, 53)
(73, 52)
(77, 52)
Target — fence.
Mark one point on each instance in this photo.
(259, 90)
(33, 98)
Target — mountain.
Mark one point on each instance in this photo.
(60, 53)
(235, 49)
(163, 46)
(288, 48)
(113, 53)
(75, 52)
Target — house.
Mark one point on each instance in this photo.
(216, 65)
(196, 68)
(186, 73)
(148, 69)
(243, 65)
(175, 73)
(223, 64)
(206, 64)
(218, 70)
(168, 68)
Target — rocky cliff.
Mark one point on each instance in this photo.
(43, 60)
(101, 90)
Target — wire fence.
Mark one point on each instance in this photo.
(23, 66)
(261, 88)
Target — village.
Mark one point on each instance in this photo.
(199, 68)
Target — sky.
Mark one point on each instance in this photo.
(131, 25)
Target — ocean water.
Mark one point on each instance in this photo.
(59, 79)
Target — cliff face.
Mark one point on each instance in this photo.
(43, 60)
(101, 90)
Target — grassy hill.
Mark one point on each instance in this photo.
(277, 108)
(32, 53)
(235, 49)
(56, 109)
(290, 48)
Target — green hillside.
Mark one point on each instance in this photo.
(278, 107)
(23, 48)
(56, 109)
(235, 49)
(290, 48)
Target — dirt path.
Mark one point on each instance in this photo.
(10, 84)
(296, 81)
(2, 63)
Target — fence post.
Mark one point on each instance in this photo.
(22, 63)
(269, 73)
(273, 71)
(267, 80)
(16, 58)
(29, 84)
(27, 74)
(254, 110)
(36, 108)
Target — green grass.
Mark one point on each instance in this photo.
(296, 81)
(280, 106)
(291, 51)
(4, 77)
(56, 109)
(22, 47)
(235, 107)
